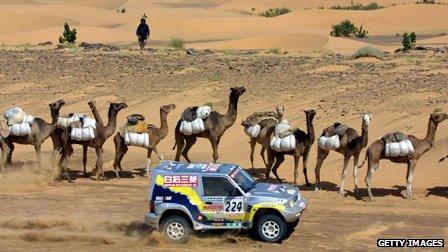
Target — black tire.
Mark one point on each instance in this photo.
(271, 228)
(182, 225)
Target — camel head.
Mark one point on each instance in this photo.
(167, 108)
(237, 91)
(366, 117)
(438, 117)
(114, 106)
(56, 106)
(280, 111)
(310, 114)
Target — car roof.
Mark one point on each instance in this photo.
(203, 168)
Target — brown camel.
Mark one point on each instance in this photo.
(375, 153)
(304, 141)
(351, 144)
(40, 131)
(215, 126)
(155, 135)
(103, 132)
(262, 137)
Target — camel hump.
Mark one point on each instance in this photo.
(394, 137)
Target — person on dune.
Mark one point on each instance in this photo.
(142, 33)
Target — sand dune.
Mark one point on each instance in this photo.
(222, 24)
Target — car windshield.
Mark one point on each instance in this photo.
(242, 179)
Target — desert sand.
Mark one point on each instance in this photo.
(217, 24)
(41, 214)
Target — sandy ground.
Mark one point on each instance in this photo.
(399, 91)
(220, 24)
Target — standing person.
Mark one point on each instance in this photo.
(142, 33)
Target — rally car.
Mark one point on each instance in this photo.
(184, 197)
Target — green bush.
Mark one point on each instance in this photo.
(426, 2)
(273, 12)
(68, 35)
(409, 40)
(176, 43)
(347, 28)
(274, 51)
(358, 6)
(368, 51)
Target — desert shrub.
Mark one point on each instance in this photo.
(274, 51)
(210, 104)
(361, 33)
(368, 51)
(347, 28)
(409, 40)
(176, 43)
(68, 35)
(426, 2)
(358, 6)
(273, 12)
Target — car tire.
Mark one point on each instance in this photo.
(271, 228)
(176, 229)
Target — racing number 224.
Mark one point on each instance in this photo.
(234, 206)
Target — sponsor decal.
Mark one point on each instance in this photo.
(272, 187)
(234, 224)
(291, 191)
(180, 180)
(214, 207)
(212, 167)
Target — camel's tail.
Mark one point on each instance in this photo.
(365, 158)
(442, 159)
(175, 144)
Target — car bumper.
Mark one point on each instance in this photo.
(152, 220)
(293, 214)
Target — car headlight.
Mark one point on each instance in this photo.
(292, 203)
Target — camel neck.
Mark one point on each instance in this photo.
(310, 129)
(54, 116)
(163, 124)
(112, 123)
(232, 110)
(431, 132)
(365, 135)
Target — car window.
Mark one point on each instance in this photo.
(219, 186)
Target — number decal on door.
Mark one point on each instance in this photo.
(234, 206)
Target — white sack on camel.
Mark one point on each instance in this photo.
(399, 149)
(82, 134)
(192, 128)
(284, 144)
(17, 116)
(252, 131)
(329, 143)
(135, 139)
(22, 129)
(64, 122)
(203, 112)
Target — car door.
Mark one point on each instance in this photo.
(224, 203)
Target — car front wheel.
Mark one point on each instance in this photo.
(176, 229)
(271, 228)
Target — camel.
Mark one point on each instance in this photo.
(264, 131)
(103, 132)
(40, 131)
(375, 152)
(303, 146)
(155, 135)
(351, 145)
(215, 126)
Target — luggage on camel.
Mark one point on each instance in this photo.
(193, 120)
(252, 131)
(136, 139)
(284, 139)
(83, 130)
(19, 122)
(135, 118)
(253, 123)
(331, 137)
(397, 144)
(64, 121)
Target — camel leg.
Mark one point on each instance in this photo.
(371, 169)
(278, 161)
(409, 176)
(190, 141)
(148, 161)
(269, 165)
(4, 149)
(355, 170)
(37, 148)
(84, 159)
(63, 164)
(344, 174)
(99, 163)
(305, 164)
(296, 167)
(120, 149)
(215, 143)
(321, 156)
(9, 156)
(263, 149)
(252, 150)
(180, 144)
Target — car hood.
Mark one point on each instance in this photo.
(283, 191)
